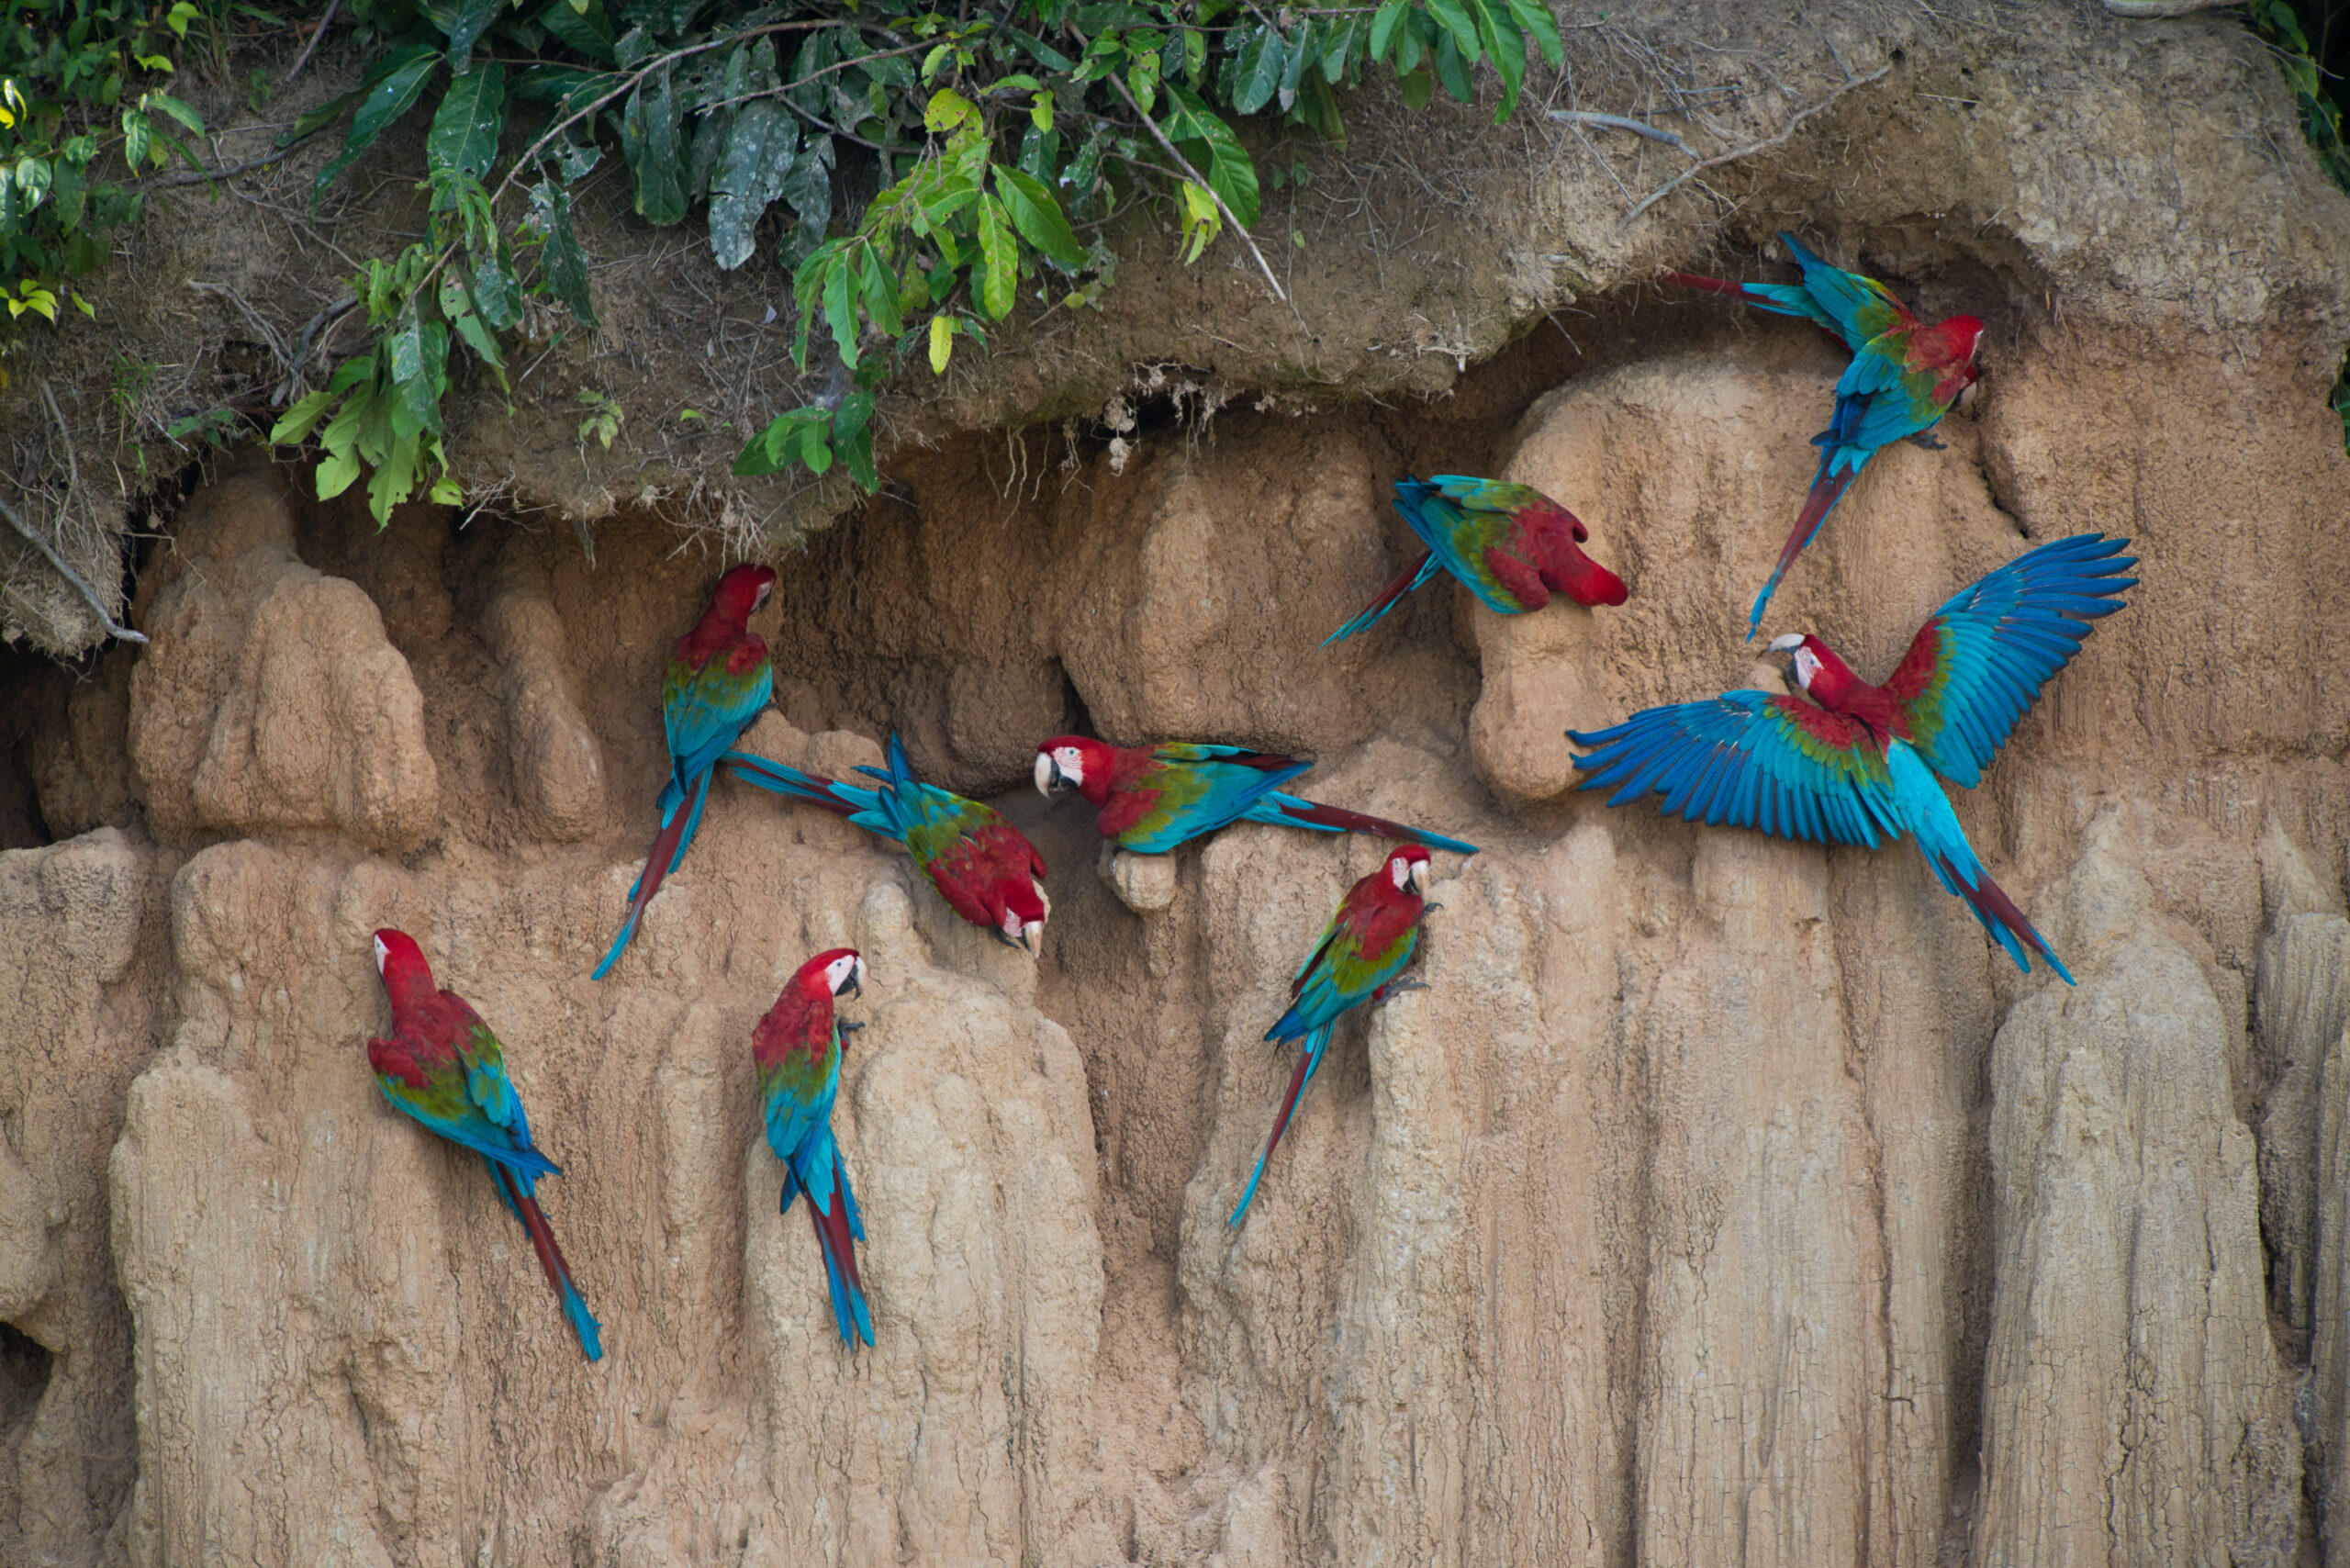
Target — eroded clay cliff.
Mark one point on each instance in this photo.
(1722, 1200)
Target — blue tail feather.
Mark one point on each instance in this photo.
(1317, 1043)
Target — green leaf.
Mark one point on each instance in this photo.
(1038, 215)
(751, 176)
(476, 337)
(809, 189)
(997, 250)
(879, 290)
(942, 343)
(953, 115)
(1418, 87)
(1230, 171)
(774, 446)
(496, 292)
(1303, 51)
(464, 127)
(318, 119)
(395, 479)
(1258, 73)
(295, 425)
(134, 152)
(562, 265)
(584, 27)
(166, 103)
(852, 437)
(335, 473)
(391, 94)
(1384, 26)
(840, 307)
(649, 142)
(1455, 19)
(1505, 49)
(1452, 69)
(472, 17)
(1534, 18)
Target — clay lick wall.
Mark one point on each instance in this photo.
(1721, 1200)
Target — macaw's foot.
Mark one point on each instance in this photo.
(1397, 988)
(850, 1028)
(1925, 441)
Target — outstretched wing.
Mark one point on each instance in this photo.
(1749, 759)
(1861, 308)
(1978, 662)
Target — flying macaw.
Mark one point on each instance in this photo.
(1152, 798)
(1368, 940)
(796, 1048)
(717, 684)
(1904, 378)
(982, 866)
(1511, 544)
(443, 1067)
(1856, 763)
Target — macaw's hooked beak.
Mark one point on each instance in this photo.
(1048, 775)
(852, 984)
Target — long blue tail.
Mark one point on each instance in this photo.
(1289, 811)
(1926, 811)
(835, 1233)
(678, 829)
(525, 1208)
(1420, 571)
(1317, 1043)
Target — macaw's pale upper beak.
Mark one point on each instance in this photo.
(1048, 774)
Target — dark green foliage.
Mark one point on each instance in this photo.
(1004, 140)
(2312, 40)
(83, 116)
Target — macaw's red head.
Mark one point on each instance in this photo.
(741, 591)
(1824, 677)
(837, 972)
(1017, 902)
(1557, 533)
(1587, 581)
(1407, 870)
(1072, 762)
(407, 979)
(1951, 348)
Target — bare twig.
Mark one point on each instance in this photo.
(317, 33)
(203, 176)
(1193, 174)
(72, 464)
(252, 318)
(1621, 122)
(89, 595)
(1794, 121)
(301, 355)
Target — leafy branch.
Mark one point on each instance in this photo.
(1005, 142)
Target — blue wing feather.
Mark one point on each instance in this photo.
(1744, 759)
(1979, 662)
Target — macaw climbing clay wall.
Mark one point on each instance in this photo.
(1721, 1201)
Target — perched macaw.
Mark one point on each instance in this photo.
(1368, 940)
(1856, 763)
(1904, 378)
(1511, 544)
(1152, 798)
(717, 684)
(796, 1048)
(982, 866)
(443, 1067)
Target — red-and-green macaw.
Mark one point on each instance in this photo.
(1511, 544)
(982, 866)
(443, 1067)
(1150, 799)
(1370, 938)
(797, 1050)
(717, 684)
(1856, 764)
(1904, 378)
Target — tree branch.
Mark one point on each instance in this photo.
(1621, 122)
(89, 595)
(1184, 164)
(1794, 121)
